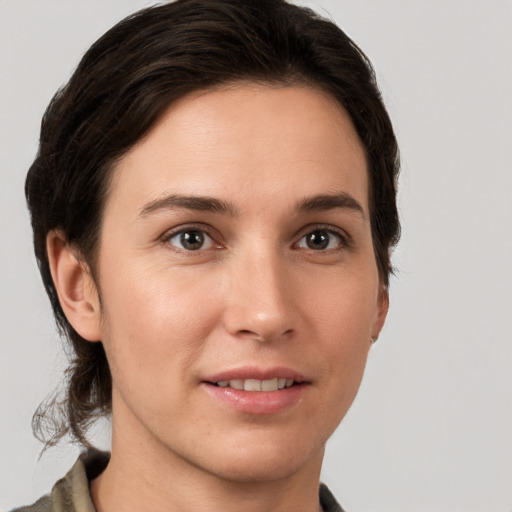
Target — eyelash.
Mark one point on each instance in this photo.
(342, 236)
(188, 229)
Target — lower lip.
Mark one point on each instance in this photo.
(258, 402)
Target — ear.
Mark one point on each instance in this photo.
(75, 287)
(381, 312)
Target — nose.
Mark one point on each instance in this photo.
(259, 301)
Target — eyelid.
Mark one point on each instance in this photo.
(341, 233)
(346, 240)
(207, 230)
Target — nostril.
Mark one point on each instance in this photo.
(265, 336)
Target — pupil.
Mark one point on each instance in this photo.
(318, 240)
(192, 240)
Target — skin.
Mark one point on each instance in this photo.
(255, 294)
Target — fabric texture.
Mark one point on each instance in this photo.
(71, 493)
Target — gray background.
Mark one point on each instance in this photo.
(431, 429)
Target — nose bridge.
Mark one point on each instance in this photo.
(259, 305)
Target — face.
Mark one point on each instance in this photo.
(236, 252)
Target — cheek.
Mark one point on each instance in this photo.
(154, 322)
(343, 318)
(344, 305)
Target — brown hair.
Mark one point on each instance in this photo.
(121, 87)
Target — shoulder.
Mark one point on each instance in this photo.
(71, 493)
(43, 504)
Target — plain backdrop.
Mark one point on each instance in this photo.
(431, 428)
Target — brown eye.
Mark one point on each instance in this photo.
(320, 240)
(191, 240)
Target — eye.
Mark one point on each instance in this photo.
(321, 240)
(191, 240)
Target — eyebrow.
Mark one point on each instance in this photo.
(318, 203)
(198, 203)
(324, 202)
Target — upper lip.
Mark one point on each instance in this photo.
(252, 372)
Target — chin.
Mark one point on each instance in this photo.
(259, 463)
(251, 472)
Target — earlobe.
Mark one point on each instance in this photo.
(75, 287)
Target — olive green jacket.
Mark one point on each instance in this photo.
(71, 493)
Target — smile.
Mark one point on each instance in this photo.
(256, 384)
(257, 391)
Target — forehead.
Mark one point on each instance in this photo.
(280, 141)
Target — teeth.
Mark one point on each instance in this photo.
(269, 385)
(256, 384)
(252, 385)
(236, 384)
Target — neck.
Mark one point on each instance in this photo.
(148, 476)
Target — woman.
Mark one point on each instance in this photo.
(213, 205)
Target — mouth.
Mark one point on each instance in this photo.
(258, 391)
(256, 385)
